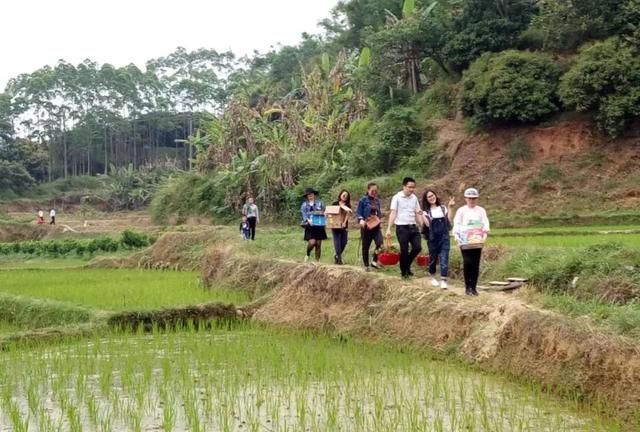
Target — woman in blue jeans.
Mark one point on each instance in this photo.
(437, 218)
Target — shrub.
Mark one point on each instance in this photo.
(14, 177)
(398, 134)
(605, 79)
(518, 150)
(486, 26)
(131, 239)
(564, 24)
(510, 86)
(438, 101)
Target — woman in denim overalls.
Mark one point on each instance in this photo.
(436, 231)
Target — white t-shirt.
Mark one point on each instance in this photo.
(467, 215)
(436, 212)
(405, 207)
(52, 213)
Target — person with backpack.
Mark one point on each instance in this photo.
(437, 224)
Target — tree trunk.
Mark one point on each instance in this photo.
(64, 145)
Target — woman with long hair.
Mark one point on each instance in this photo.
(437, 224)
(341, 235)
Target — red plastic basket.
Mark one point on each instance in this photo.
(422, 260)
(389, 258)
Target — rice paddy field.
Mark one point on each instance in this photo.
(243, 376)
(256, 379)
(114, 289)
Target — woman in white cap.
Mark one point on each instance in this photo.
(470, 228)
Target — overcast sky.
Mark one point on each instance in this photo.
(34, 33)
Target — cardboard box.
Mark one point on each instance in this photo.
(334, 216)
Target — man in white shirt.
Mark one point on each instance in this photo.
(52, 215)
(406, 214)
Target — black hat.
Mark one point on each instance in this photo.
(310, 190)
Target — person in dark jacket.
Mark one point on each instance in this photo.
(369, 216)
(313, 234)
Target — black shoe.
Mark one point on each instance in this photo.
(336, 259)
(474, 292)
(468, 292)
(410, 273)
(340, 260)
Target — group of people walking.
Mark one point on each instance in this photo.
(413, 219)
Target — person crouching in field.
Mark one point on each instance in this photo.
(245, 229)
(437, 224)
(313, 234)
(470, 228)
(369, 216)
(40, 217)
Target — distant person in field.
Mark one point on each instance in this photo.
(341, 235)
(250, 210)
(52, 216)
(40, 217)
(369, 214)
(437, 224)
(245, 229)
(406, 214)
(313, 234)
(470, 228)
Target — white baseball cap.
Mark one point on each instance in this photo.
(471, 193)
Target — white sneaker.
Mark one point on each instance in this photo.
(434, 282)
(443, 284)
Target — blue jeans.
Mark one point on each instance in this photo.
(340, 239)
(439, 250)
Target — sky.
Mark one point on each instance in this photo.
(34, 33)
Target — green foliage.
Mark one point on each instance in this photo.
(14, 178)
(512, 86)
(399, 134)
(605, 79)
(565, 24)
(438, 101)
(518, 150)
(129, 240)
(555, 272)
(485, 26)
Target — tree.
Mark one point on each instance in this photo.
(565, 24)
(510, 86)
(605, 79)
(486, 26)
(400, 48)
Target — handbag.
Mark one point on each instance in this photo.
(372, 222)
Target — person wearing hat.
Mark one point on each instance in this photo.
(470, 228)
(313, 234)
